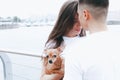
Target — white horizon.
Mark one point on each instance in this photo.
(27, 8)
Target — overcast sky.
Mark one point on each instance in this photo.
(25, 8)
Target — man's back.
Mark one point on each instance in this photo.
(95, 57)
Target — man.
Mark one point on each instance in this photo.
(95, 57)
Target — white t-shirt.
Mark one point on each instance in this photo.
(95, 57)
(69, 40)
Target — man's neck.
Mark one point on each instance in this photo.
(97, 27)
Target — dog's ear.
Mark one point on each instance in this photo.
(44, 59)
(45, 50)
(60, 49)
(43, 55)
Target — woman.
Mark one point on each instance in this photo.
(67, 26)
(66, 29)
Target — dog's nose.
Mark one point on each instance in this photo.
(50, 61)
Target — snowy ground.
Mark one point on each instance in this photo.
(28, 40)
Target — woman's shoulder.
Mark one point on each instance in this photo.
(50, 44)
(69, 40)
(65, 37)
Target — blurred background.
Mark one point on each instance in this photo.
(27, 13)
(24, 29)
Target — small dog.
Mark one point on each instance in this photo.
(53, 65)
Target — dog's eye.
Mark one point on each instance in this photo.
(54, 55)
(47, 56)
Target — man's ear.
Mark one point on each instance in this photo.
(86, 14)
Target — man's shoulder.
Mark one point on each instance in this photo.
(95, 41)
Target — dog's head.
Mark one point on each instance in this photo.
(52, 57)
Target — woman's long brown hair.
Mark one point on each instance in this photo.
(64, 23)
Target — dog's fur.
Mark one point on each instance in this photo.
(53, 65)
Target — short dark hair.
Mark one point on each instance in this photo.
(95, 3)
(97, 8)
